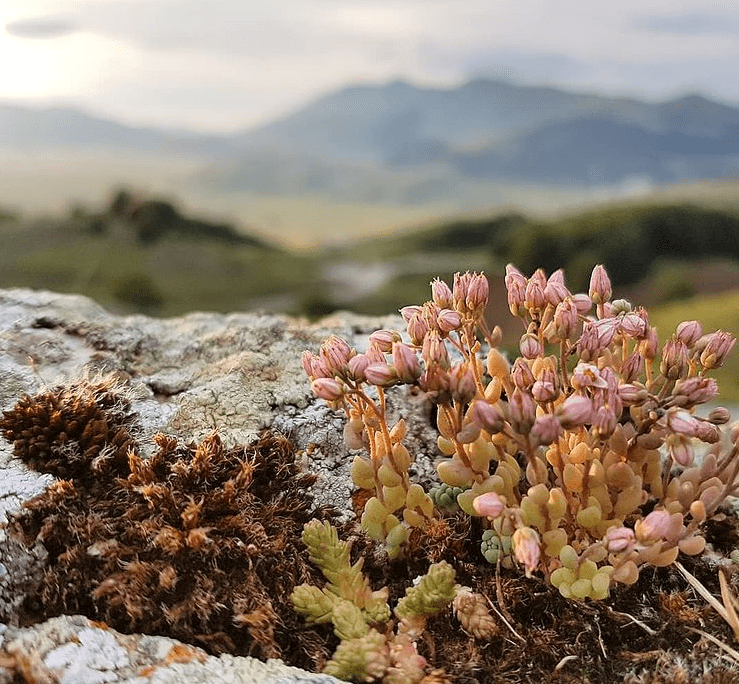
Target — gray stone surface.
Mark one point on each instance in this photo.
(237, 373)
(74, 650)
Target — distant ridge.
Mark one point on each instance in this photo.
(407, 141)
(23, 127)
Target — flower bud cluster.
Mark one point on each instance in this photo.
(559, 452)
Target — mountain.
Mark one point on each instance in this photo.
(485, 130)
(403, 143)
(67, 128)
(368, 121)
(601, 150)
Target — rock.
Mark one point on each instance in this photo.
(75, 650)
(187, 376)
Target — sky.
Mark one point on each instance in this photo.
(224, 65)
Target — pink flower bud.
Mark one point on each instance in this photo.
(434, 379)
(534, 299)
(522, 411)
(357, 365)
(406, 362)
(619, 539)
(681, 449)
(515, 283)
(689, 332)
(407, 312)
(582, 302)
(609, 399)
(527, 549)
(521, 374)
(674, 362)
(649, 346)
(374, 355)
(543, 391)
(336, 353)
(654, 527)
(696, 390)
(631, 394)
(460, 290)
(716, 350)
(435, 351)
(321, 366)
(306, 359)
(430, 312)
(604, 422)
(489, 504)
(575, 411)
(707, 432)
(327, 388)
(632, 325)
(383, 339)
(719, 416)
(682, 422)
(530, 346)
(565, 318)
(417, 329)
(600, 285)
(589, 346)
(462, 383)
(545, 430)
(539, 277)
(441, 294)
(380, 374)
(555, 291)
(632, 367)
(607, 329)
(448, 320)
(486, 416)
(477, 294)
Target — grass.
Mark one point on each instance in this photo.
(714, 312)
(169, 278)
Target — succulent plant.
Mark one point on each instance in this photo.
(369, 648)
(592, 426)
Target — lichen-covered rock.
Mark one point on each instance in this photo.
(74, 650)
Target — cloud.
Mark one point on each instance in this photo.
(508, 64)
(221, 63)
(40, 28)
(228, 27)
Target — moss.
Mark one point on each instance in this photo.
(198, 542)
(72, 431)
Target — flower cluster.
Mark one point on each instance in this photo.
(578, 455)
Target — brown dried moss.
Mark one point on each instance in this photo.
(72, 431)
(198, 542)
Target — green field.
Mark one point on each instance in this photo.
(720, 311)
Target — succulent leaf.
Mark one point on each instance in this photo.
(432, 594)
(363, 659)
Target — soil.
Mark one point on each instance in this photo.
(202, 543)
